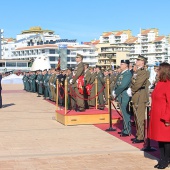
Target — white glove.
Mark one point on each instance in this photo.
(71, 81)
(129, 92)
(113, 94)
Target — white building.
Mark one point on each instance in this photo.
(150, 45)
(36, 42)
(115, 37)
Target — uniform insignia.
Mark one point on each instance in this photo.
(134, 75)
(121, 77)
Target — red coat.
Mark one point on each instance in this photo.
(160, 112)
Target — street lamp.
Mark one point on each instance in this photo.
(1, 31)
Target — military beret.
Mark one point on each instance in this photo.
(125, 61)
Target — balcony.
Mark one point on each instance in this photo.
(158, 51)
(144, 45)
(144, 37)
(158, 46)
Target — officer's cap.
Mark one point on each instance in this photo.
(45, 70)
(86, 64)
(79, 56)
(98, 67)
(70, 69)
(125, 61)
(140, 57)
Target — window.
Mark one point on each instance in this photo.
(68, 51)
(2, 64)
(10, 64)
(53, 65)
(21, 64)
(73, 59)
(52, 58)
(52, 51)
(68, 58)
(43, 51)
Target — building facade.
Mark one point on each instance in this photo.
(149, 44)
(36, 42)
(111, 48)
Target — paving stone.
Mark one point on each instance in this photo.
(32, 140)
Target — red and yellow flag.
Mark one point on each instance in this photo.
(58, 65)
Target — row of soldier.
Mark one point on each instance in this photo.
(44, 83)
(125, 85)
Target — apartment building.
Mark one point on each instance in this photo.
(111, 48)
(36, 42)
(149, 44)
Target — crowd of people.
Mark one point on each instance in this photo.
(127, 85)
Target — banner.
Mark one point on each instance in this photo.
(63, 56)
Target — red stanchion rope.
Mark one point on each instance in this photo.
(86, 98)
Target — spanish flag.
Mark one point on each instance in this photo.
(58, 65)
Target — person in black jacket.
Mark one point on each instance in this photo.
(0, 91)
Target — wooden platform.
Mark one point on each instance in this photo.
(90, 116)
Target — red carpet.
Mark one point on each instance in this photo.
(128, 138)
(118, 126)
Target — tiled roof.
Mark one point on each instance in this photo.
(144, 32)
(119, 33)
(96, 42)
(10, 40)
(131, 40)
(159, 38)
(107, 34)
(87, 43)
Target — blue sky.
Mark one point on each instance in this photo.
(84, 20)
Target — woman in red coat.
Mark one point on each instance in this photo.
(159, 128)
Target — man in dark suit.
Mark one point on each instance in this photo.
(0, 91)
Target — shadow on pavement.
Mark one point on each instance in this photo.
(7, 105)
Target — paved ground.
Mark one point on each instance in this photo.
(30, 139)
